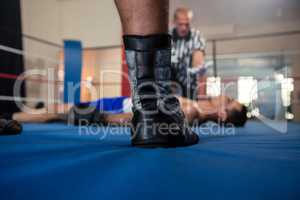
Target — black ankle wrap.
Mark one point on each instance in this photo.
(147, 43)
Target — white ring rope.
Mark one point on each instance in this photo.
(26, 99)
(23, 53)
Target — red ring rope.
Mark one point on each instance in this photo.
(40, 80)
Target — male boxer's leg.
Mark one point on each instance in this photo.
(157, 118)
(144, 17)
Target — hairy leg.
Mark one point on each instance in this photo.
(144, 17)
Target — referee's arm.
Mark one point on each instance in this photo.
(198, 58)
(199, 45)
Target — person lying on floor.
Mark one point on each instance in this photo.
(221, 109)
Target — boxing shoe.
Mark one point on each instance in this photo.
(158, 120)
(162, 128)
(10, 127)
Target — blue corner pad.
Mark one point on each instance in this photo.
(73, 69)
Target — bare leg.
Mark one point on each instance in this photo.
(144, 17)
(34, 118)
(43, 116)
(121, 119)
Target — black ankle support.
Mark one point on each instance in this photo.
(147, 43)
(148, 58)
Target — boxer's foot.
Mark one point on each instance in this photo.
(158, 120)
(162, 130)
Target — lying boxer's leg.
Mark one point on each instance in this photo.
(121, 119)
(157, 118)
(34, 118)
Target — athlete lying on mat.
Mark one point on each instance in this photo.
(117, 110)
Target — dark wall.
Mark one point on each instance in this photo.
(10, 35)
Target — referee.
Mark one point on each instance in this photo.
(188, 50)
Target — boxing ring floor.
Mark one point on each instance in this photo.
(53, 161)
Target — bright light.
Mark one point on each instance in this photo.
(247, 89)
(255, 112)
(289, 116)
(249, 115)
(61, 74)
(279, 77)
(213, 86)
(89, 79)
(190, 14)
(287, 87)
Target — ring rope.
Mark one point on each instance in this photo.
(23, 53)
